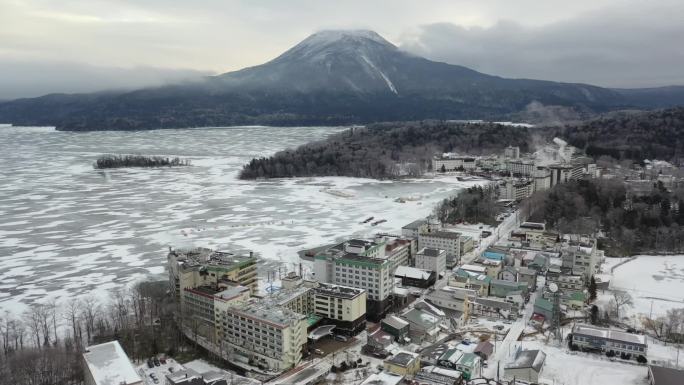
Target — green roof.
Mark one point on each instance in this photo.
(543, 304)
(577, 296)
(313, 319)
(467, 359)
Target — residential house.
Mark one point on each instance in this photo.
(484, 349)
(423, 326)
(411, 276)
(395, 326)
(500, 288)
(508, 273)
(403, 363)
(527, 366)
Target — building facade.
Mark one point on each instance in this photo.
(431, 259)
(448, 241)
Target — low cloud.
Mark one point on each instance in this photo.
(20, 79)
(638, 46)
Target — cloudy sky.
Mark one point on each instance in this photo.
(70, 45)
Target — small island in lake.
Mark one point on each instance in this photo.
(122, 161)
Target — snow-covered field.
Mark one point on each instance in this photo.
(68, 230)
(656, 283)
(576, 368)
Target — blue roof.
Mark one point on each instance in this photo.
(494, 256)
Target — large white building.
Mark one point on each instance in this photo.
(108, 364)
(523, 167)
(451, 162)
(361, 264)
(431, 259)
(518, 189)
(269, 336)
(448, 241)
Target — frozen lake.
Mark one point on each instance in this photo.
(68, 230)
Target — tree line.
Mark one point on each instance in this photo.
(631, 222)
(44, 344)
(387, 150)
(476, 204)
(123, 161)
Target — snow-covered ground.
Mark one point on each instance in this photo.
(575, 368)
(656, 284)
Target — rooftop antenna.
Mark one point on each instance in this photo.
(555, 314)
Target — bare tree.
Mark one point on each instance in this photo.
(620, 300)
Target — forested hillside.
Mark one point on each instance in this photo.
(632, 223)
(636, 136)
(387, 150)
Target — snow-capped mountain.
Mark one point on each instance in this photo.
(355, 61)
(331, 77)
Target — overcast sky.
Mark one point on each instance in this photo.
(69, 45)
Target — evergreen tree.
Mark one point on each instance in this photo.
(594, 314)
(592, 289)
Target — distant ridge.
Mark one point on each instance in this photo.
(331, 77)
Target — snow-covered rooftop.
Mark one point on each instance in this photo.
(411, 272)
(610, 334)
(109, 365)
(383, 378)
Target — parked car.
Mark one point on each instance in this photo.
(319, 351)
(162, 361)
(150, 364)
(156, 361)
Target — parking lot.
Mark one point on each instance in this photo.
(156, 375)
(329, 345)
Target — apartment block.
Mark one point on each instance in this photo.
(205, 267)
(431, 259)
(266, 336)
(360, 264)
(448, 241)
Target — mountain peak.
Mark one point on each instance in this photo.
(321, 45)
(337, 35)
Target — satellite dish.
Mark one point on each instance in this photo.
(553, 287)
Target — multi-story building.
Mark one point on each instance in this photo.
(431, 259)
(263, 335)
(605, 340)
(517, 189)
(566, 282)
(582, 257)
(467, 244)
(520, 167)
(512, 152)
(205, 267)
(360, 264)
(451, 162)
(343, 306)
(542, 179)
(445, 240)
(413, 229)
(199, 306)
(399, 251)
